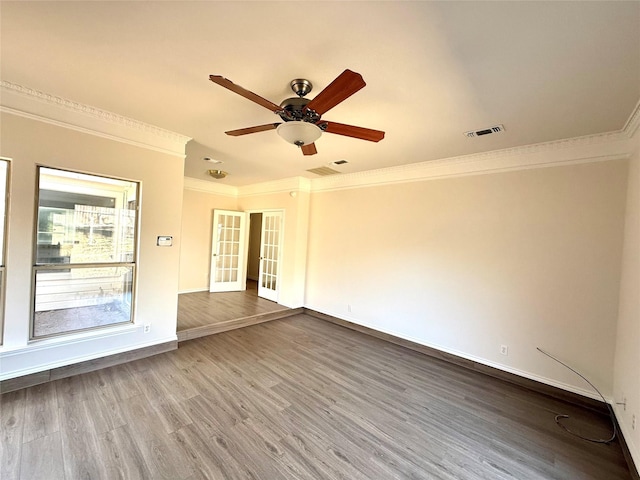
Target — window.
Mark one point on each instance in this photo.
(84, 268)
(4, 196)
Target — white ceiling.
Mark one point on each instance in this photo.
(546, 70)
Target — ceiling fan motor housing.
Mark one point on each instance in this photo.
(293, 110)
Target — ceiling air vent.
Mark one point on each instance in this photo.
(484, 131)
(323, 171)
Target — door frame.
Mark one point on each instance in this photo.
(280, 249)
(243, 242)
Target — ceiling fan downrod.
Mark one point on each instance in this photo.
(294, 109)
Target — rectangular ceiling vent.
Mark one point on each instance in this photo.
(484, 131)
(323, 171)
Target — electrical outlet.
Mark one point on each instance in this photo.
(633, 421)
(504, 349)
(147, 328)
(349, 308)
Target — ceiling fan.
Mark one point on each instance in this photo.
(302, 117)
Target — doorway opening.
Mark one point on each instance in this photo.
(231, 235)
(246, 248)
(253, 255)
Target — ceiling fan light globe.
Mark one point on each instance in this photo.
(299, 133)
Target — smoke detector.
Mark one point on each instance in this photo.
(484, 131)
(211, 160)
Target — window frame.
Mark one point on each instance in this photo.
(67, 267)
(3, 250)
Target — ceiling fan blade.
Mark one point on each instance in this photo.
(229, 85)
(309, 149)
(355, 132)
(259, 128)
(345, 85)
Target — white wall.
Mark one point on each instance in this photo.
(524, 258)
(627, 359)
(197, 223)
(196, 231)
(294, 243)
(29, 142)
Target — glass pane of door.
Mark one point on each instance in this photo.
(228, 251)
(269, 282)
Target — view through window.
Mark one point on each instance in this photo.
(85, 252)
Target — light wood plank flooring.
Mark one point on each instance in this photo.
(297, 398)
(204, 313)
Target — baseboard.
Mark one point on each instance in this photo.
(521, 381)
(633, 470)
(533, 385)
(53, 374)
(193, 290)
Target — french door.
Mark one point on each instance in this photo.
(270, 251)
(228, 251)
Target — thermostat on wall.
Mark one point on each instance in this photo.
(165, 241)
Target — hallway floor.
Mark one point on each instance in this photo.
(204, 313)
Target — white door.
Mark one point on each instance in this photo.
(270, 250)
(228, 252)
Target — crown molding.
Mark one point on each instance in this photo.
(205, 186)
(633, 122)
(286, 185)
(36, 105)
(593, 148)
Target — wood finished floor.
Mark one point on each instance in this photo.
(297, 398)
(208, 313)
